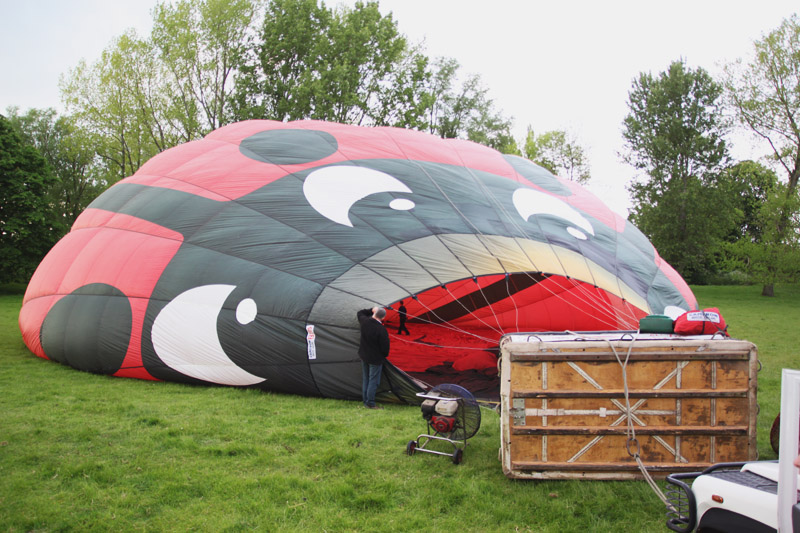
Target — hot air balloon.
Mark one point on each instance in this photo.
(242, 258)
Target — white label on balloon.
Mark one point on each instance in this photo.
(312, 348)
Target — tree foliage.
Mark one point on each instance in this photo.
(200, 45)
(775, 256)
(354, 66)
(27, 228)
(314, 62)
(120, 100)
(765, 96)
(748, 185)
(464, 109)
(559, 152)
(210, 62)
(674, 134)
(70, 155)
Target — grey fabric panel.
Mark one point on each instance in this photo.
(434, 257)
(334, 307)
(398, 266)
(369, 285)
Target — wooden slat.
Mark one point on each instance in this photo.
(635, 356)
(639, 393)
(609, 467)
(622, 430)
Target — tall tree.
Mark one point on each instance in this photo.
(27, 228)
(352, 65)
(765, 94)
(559, 152)
(674, 134)
(120, 100)
(314, 62)
(200, 45)
(462, 108)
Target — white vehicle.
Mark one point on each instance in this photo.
(744, 497)
(727, 497)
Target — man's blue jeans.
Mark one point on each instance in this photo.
(370, 379)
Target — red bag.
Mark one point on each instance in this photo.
(705, 322)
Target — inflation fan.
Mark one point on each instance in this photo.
(453, 416)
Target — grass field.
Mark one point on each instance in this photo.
(81, 452)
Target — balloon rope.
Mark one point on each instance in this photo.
(617, 314)
(499, 327)
(589, 302)
(632, 443)
(448, 325)
(501, 208)
(516, 308)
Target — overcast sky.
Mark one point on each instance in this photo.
(553, 65)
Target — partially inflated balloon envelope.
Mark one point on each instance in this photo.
(242, 259)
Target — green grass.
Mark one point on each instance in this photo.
(92, 453)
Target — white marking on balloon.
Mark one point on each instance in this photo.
(401, 204)
(578, 234)
(185, 336)
(532, 202)
(332, 191)
(246, 311)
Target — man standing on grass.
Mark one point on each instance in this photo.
(373, 351)
(402, 314)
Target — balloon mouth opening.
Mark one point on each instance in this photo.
(451, 333)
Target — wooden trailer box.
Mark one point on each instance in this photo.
(564, 414)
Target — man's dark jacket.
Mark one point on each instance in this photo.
(374, 346)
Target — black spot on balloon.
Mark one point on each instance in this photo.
(289, 147)
(89, 329)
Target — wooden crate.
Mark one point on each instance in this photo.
(564, 415)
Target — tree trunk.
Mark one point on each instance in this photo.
(768, 290)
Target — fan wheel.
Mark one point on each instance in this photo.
(458, 456)
(468, 416)
(411, 446)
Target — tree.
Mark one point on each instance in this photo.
(748, 185)
(558, 152)
(774, 257)
(206, 64)
(462, 109)
(145, 95)
(674, 133)
(313, 62)
(27, 228)
(201, 44)
(354, 66)
(121, 101)
(70, 155)
(765, 95)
